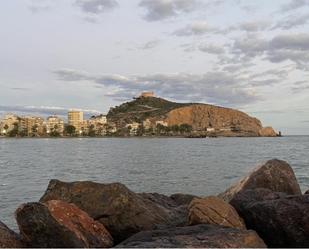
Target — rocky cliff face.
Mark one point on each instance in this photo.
(228, 121)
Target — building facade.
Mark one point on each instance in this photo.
(8, 122)
(54, 124)
(76, 118)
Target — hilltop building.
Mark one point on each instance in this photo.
(147, 95)
(76, 118)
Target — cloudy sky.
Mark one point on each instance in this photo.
(93, 54)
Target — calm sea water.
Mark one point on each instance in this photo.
(195, 166)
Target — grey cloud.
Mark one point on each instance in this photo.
(293, 47)
(292, 21)
(42, 110)
(291, 41)
(215, 87)
(96, 6)
(36, 6)
(255, 26)
(157, 10)
(294, 5)
(196, 28)
(211, 49)
(150, 45)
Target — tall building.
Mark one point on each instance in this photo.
(76, 119)
(54, 124)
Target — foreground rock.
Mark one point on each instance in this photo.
(208, 236)
(307, 192)
(275, 175)
(122, 211)
(281, 220)
(58, 224)
(8, 238)
(213, 210)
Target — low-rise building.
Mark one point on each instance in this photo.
(147, 124)
(8, 123)
(161, 122)
(133, 127)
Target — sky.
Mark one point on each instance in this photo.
(94, 54)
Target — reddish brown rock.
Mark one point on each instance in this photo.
(275, 175)
(8, 238)
(202, 116)
(199, 236)
(122, 211)
(267, 132)
(59, 224)
(213, 210)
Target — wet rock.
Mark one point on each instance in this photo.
(213, 210)
(282, 221)
(122, 211)
(58, 224)
(307, 192)
(275, 175)
(207, 236)
(182, 199)
(8, 238)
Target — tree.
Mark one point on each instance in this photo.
(34, 129)
(91, 131)
(70, 130)
(14, 131)
(185, 128)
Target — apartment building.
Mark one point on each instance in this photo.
(76, 118)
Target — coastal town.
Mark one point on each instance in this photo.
(12, 125)
(145, 115)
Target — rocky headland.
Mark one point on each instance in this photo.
(144, 114)
(264, 209)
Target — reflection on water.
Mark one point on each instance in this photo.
(196, 166)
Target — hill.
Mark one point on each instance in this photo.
(203, 118)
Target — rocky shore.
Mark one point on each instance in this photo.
(264, 209)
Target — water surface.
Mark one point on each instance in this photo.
(164, 165)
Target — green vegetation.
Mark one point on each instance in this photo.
(141, 109)
(70, 130)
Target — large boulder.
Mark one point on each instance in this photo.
(281, 220)
(122, 211)
(213, 210)
(8, 238)
(275, 175)
(199, 236)
(58, 224)
(242, 199)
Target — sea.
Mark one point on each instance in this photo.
(164, 165)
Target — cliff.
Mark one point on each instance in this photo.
(203, 118)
